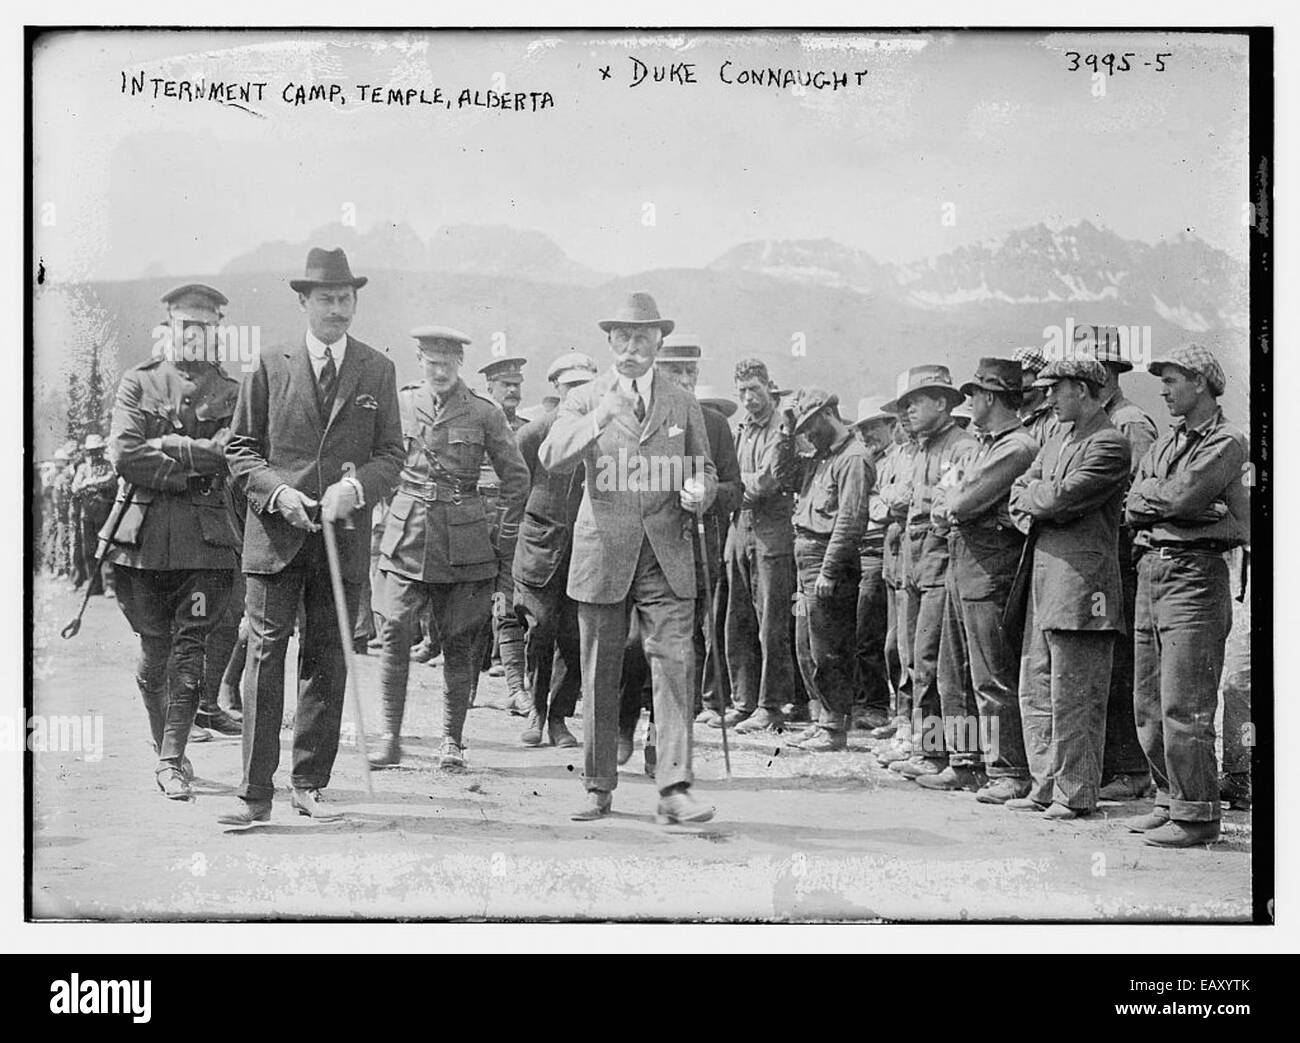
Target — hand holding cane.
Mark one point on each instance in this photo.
(697, 489)
(345, 639)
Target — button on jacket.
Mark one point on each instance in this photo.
(436, 530)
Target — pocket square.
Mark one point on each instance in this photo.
(673, 429)
(367, 402)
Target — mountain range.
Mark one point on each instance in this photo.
(817, 311)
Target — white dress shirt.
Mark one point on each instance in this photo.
(644, 388)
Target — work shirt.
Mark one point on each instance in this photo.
(938, 452)
(979, 499)
(873, 535)
(894, 487)
(833, 502)
(1134, 424)
(1190, 487)
(767, 466)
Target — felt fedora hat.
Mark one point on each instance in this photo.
(639, 309)
(327, 268)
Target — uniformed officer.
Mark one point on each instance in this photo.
(1124, 771)
(175, 548)
(504, 377)
(437, 550)
(828, 521)
(93, 488)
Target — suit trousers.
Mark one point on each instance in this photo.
(460, 610)
(1123, 753)
(760, 584)
(1064, 681)
(665, 621)
(826, 635)
(1184, 613)
(552, 651)
(873, 630)
(271, 606)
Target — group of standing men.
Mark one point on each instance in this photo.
(898, 558)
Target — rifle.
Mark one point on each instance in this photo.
(106, 535)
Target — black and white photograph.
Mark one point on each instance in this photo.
(649, 475)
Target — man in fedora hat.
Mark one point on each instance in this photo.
(546, 614)
(927, 395)
(317, 436)
(875, 429)
(439, 550)
(174, 550)
(1189, 505)
(94, 486)
(1036, 413)
(1124, 771)
(759, 561)
(1069, 501)
(632, 548)
(978, 668)
(829, 517)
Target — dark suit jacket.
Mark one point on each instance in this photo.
(1071, 498)
(279, 435)
(546, 533)
(722, 447)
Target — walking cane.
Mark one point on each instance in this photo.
(101, 552)
(710, 659)
(345, 638)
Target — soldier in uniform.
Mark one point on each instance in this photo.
(829, 518)
(1124, 771)
(93, 488)
(542, 605)
(500, 645)
(437, 551)
(175, 549)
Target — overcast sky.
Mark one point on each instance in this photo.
(992, 123)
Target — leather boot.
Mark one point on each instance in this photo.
(532, 735)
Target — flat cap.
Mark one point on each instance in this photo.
(1031, 360)
(511, 367)
(808, 402)
(1088, 370)
(571, 366)
(1194, 359)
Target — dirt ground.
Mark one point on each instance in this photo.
(797, 837)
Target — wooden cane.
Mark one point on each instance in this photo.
(345, 638)
(101, 552)
(711, 660)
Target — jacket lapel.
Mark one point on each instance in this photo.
(607, 383)
(349, 374)
(658, 410)
(300, 363)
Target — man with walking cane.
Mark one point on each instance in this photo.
(316, 436)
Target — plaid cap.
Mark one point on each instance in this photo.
(1031, 360)
(1194, 359)
(808, 402)
(1088, 370)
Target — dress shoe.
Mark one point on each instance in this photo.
(869, 720)
(825, 740)
(173, 783)
(1176, 833)
(1234, 790)
(1153, 819)
(1126, 787)
(707, 716)
(1003, 789)
(796, 713)
(217, 720)
(651, 759)
(1059, 812)
(389, 753)
(734, 717)
(187, 769)
(761, 720)
(558, 732)
(954, 778)
(598, 805)
(422, 652)
(198, 734)
(680, 806)
(521, 703)
(452, 755)
(1025, 804)
(918, 766)
(624, 749)
(308, 802)
(532, 734)
(248, 813)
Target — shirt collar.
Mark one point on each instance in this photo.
(1203, 428)
(317, 348)
(936, 434)
(752, 421)
(989, 437)
(644, 383)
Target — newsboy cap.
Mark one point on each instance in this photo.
(1090, 371)
(1193, 358)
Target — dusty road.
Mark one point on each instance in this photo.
(797, 837)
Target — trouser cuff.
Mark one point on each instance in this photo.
(600, 783)
(1194, 810)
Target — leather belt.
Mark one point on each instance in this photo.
(1168, 549)
(205, 484)
(439, 492)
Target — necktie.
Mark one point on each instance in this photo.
(640, 404)
(328, 379)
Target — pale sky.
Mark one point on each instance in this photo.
(993, 123)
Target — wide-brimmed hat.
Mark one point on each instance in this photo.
(639, 309)
(327, 268)
(1193, 358)
(1103, 344)
(996, 375)
(808, 402)
(873, 408)
(931, 378)
(711, 396)
(195, 302)
(680, 347)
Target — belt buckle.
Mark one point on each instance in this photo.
(1163, 552)
(431, 492)
(456, 497)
